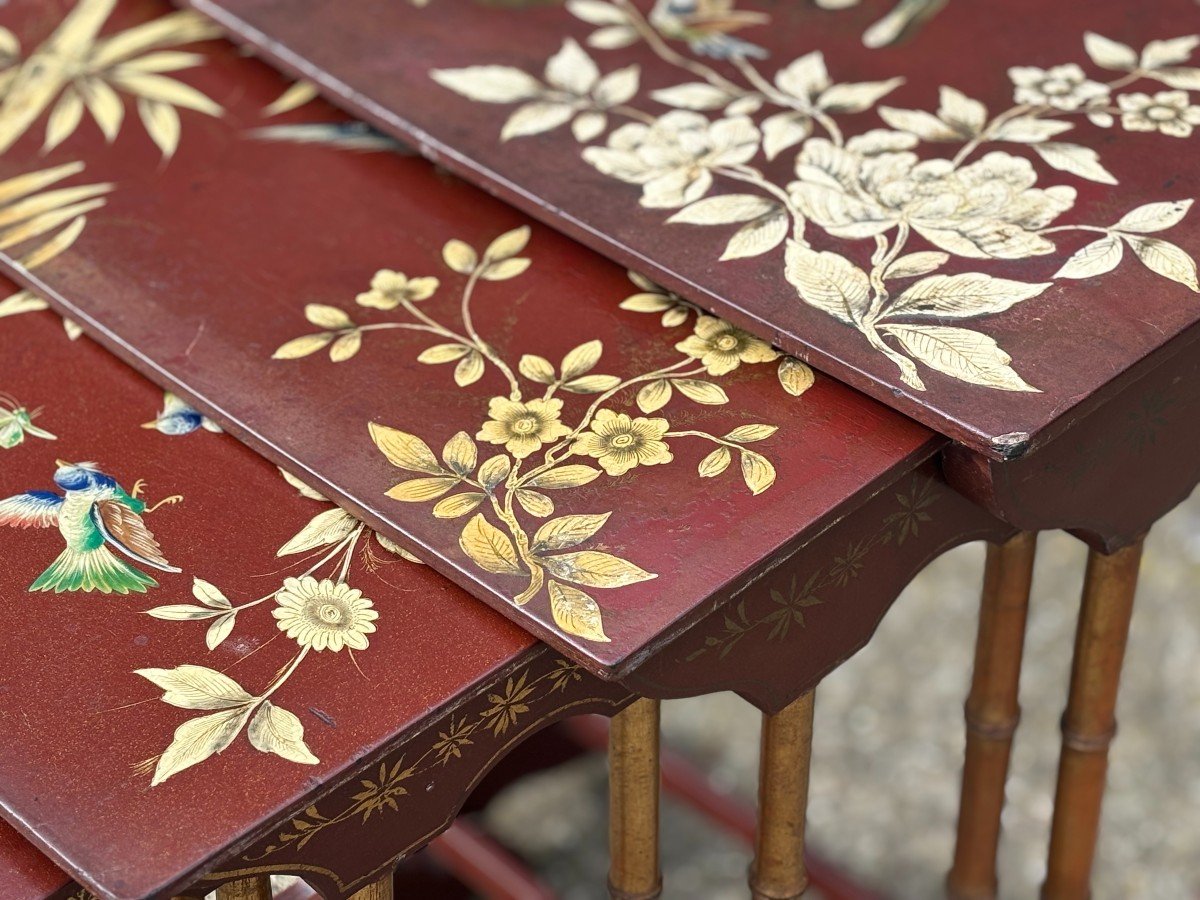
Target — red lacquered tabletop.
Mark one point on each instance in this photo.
(595, 458)
(244, 645)
(984, 224)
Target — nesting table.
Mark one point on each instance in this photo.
(638, 469)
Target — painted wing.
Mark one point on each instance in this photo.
(125, 530)
(36, 509)
(172, 404)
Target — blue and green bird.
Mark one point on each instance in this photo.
(100, 522)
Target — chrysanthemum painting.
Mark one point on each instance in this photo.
(558, 427)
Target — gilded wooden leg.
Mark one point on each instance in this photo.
(992, 713)
(778, 871)
(633, 782)
(256, 888)
(380, 890)
(1089, 723)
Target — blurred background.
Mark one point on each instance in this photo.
(889, 739)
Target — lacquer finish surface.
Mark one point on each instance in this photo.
(201, 267)
(25, 874)
(1039, 141)
(87, 737)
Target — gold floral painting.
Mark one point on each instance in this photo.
(936, 194)
(559, 427)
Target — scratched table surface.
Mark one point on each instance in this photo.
(984, 224)
(582, 450)
(240, 649)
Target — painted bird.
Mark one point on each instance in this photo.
(706, 26)
(16, 421)
(95, 516)
(177, 417)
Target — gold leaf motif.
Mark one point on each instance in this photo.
(581, 360)
(197, 687)
(460, 257)
(565, 477)
(346, 346)
(508, 244)
(326, 527)
(654, 395)
(198, 739)
(419, 490)
(715, 463)
(567, 531)
(576, 613)
(275, 730)
(443, 353)
(745, 434)
(536, 368)
(795, 376)
(534, 503)
(404, 450)
(458, 505)
(591, 384)
(595, 569)
(469, 369)
(495, 470)
(505, 269)
(303, 489)
(182, 612)
(324, 316)
(489, 547)
(162, 124)
(220, 629)
(392, 547)
(461, 454)
(295, 96)
(757, 471)
(302, 346)
(698, 391)
(209, 594)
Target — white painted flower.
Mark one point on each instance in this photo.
(990, 208)
(1167, 111)
(1061, 87)
(324, 615)
(673, 158)
(574, 92)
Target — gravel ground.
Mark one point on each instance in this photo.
(889, 742)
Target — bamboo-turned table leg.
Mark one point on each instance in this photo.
(778, 871)
(257, 887)
(992, 713)
(633, 785)
(380, 890)
(1090, 722)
